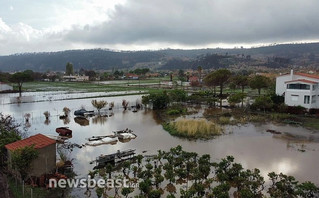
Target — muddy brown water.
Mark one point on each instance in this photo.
(250, 144)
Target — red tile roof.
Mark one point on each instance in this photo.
(303, 74)
(302, 80)
(193, 78)
(39, 141)
(307, 75)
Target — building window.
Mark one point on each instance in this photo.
(313, 99)
(294, 98)
(306, 100)
(298, 86)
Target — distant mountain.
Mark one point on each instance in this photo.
(95, 59)
(99, 59)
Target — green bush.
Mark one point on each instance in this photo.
(173, 112)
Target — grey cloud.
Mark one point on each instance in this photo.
(189, 22)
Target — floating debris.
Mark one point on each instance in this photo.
(113, 158)
(105, 140)
(273, 131)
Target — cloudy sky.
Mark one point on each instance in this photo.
(53, 25)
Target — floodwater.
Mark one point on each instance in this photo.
(250, 144)
(29, 97)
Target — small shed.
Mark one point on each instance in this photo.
(46, 161)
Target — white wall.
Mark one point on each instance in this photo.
(280, 84)
(291, 96)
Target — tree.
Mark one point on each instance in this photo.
(241, 81)
(200, 69)
(263, 102)
(8, 133)
(99, 104)
(181, 75)
(22, 158)
(258, 82)
(126, 191)
(69, 69)
(159, 100)
(91, 74)
(125, 104)
(236, 98)
(218, 78)
(282, 185)
(20, 78)
(178, 95)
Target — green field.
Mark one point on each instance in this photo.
(89, 86)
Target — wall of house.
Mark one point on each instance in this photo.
(45, 163)
(296, 98)
(280, 84)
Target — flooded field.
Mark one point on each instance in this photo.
(250, 144)
(28, 97)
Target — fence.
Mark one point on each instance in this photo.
(20, 189)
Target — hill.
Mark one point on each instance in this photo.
(98, 59)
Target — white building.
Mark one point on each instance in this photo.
(76, 78)
(5, 87)
(299, 89)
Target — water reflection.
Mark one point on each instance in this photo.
(99, 120)
(250, 144)
(82, 121)
(66, 120)
(47, 121)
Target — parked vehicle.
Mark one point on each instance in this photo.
(83, 112)
(64, 131)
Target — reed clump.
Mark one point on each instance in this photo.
(193, 128)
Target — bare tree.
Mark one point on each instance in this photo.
(99, 104)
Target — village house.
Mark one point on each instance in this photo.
(5, 87)
(76, 78)
(131, 76)
(46, 161)
(299, 89)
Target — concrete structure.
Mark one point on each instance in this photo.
(299, 89)
(5, 87)
(46, 161)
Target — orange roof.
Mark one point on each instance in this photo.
(303, 74)
(193, 78)
(307, 75)
(302, 80)
(39, 141)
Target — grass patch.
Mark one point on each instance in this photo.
(224, 120)
(311, 123)
(193, 128)
(176, 110)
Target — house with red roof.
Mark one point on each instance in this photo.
(131, 76)
(299, 89)
(46, 147)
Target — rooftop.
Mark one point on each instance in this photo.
(39, 141)
(307, 75)
(303, 74)
(302, 80)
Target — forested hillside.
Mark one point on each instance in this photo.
(98, 59)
